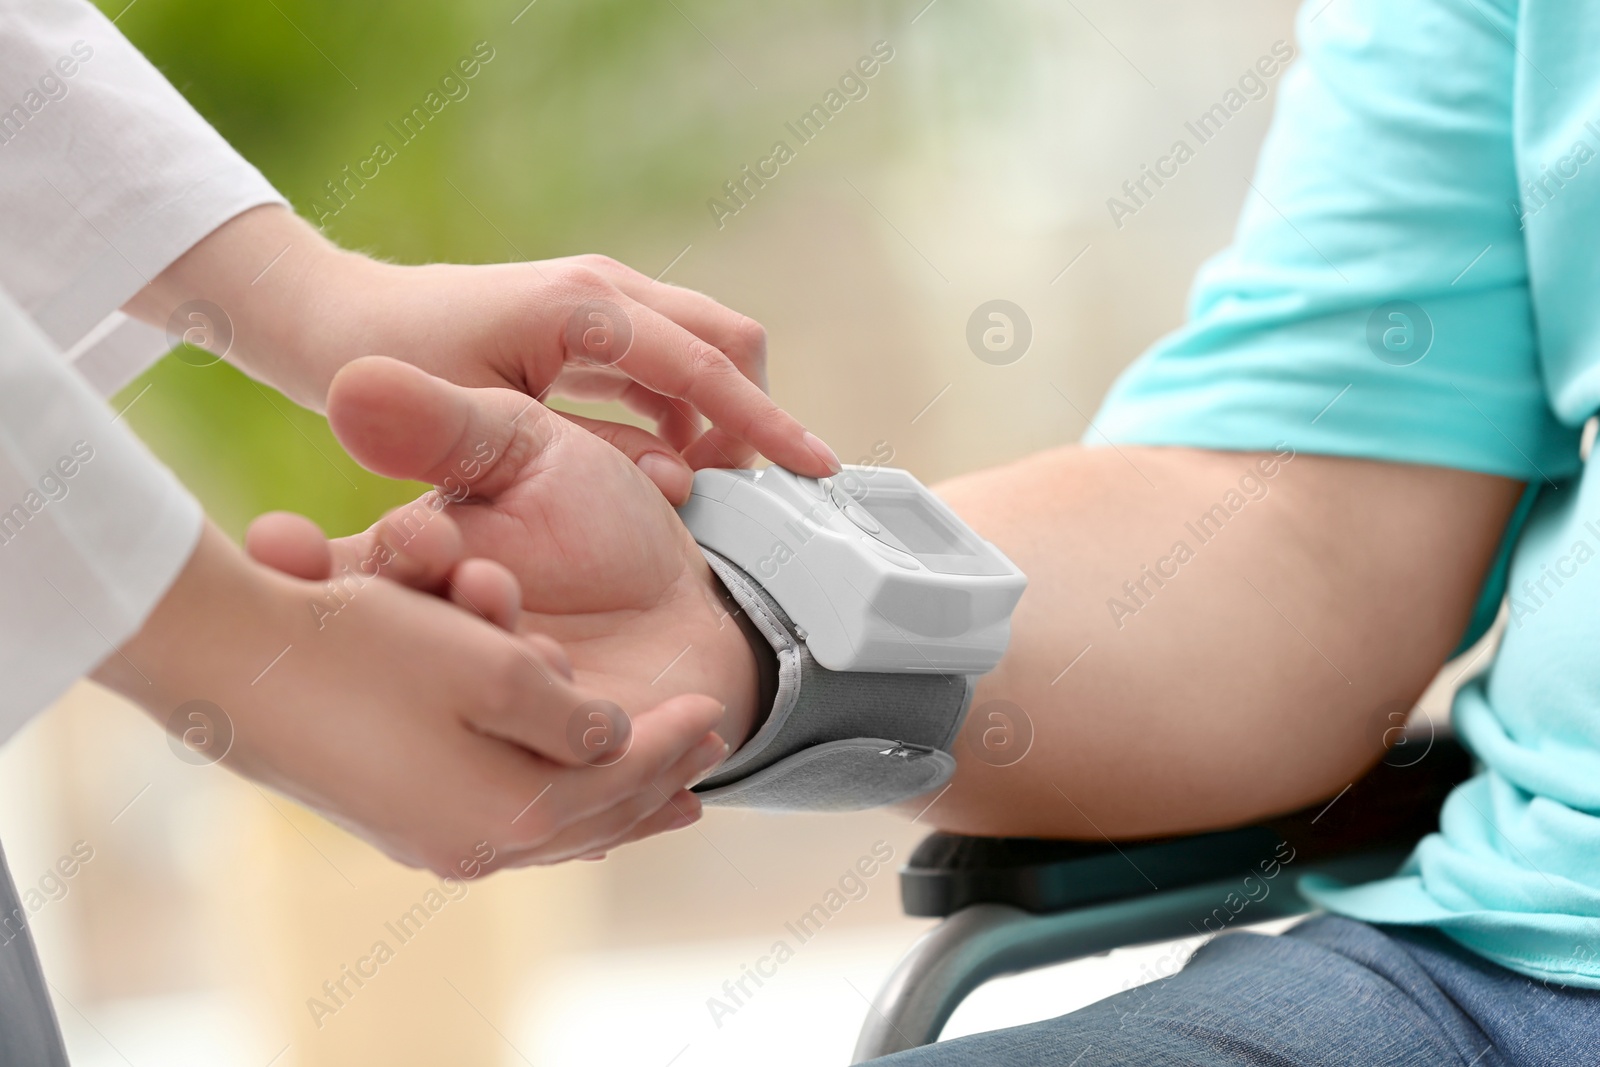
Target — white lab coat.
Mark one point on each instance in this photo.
(107, 175)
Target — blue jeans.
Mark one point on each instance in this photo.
(29, 1036)
(1330, 992)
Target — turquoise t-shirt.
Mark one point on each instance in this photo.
(1416, 277)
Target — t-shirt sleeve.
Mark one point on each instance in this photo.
(1374, 302)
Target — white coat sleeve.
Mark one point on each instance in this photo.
(107, 175)
(93, 528)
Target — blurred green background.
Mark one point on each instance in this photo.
(596, 126)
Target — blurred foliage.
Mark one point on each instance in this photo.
(245, 449)
(598, 125)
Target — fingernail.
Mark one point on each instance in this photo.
(716, 757)
(668, 474)
(823, 452)
(709, 762)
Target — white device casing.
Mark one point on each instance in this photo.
(866, 594)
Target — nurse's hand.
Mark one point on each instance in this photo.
(603, 563)
(445, 741)
(294, 309)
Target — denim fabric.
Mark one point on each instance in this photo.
(29, 1036)
(1331, 992)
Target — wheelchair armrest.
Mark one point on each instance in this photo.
(1388, 810)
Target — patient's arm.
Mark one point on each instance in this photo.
(1258, 678)
(1254, 681)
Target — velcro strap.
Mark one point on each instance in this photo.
(836, 740)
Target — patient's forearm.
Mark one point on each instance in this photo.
(1254, 655)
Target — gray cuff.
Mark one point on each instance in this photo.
(836, 740)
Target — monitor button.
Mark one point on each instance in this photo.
(893, 555)
(862, 519)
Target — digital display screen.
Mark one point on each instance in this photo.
(919, 527)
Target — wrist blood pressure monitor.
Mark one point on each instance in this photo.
(876, 572)
(882, 606)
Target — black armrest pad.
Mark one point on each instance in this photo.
(1389, 809)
